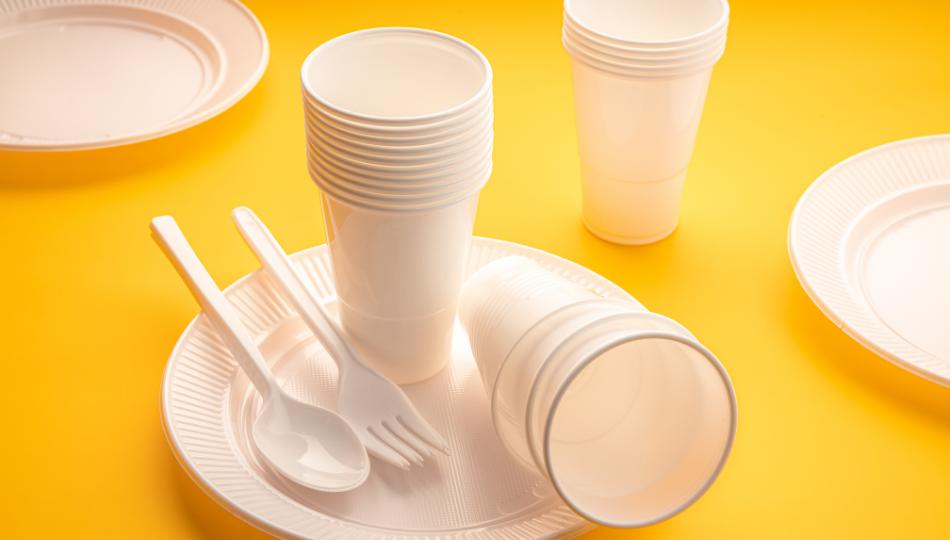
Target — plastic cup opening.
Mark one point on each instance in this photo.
(640, 431)
(649, 21)
(396, 74)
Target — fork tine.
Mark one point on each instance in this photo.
(402, 448)
(380, 451)
(417, 425)
(407, 437)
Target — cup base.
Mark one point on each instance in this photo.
(628, 240)
(628, 212)
(405, 351)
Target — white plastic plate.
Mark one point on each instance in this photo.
(80, 74)
(870, 244)
(478, 491)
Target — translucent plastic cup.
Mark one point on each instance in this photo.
(398, 274)
(623, 410)
(399, 140)
(638, 113)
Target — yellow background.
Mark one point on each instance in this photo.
(833, 442)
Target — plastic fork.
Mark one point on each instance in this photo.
(384, 418)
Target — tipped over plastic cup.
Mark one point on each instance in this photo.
(627, 414)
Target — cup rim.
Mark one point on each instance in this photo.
(463, 120)
(401, 208)
(319, 163)
(379, 189)
(581, 303)
(641, 73)
(364, 144)
(385, 198)
(397, 138)
(585, 360)
(571, 35)
(484, 89)
(369, 154)
(396, 173)
(361, 184)
(647, 49)
(633, 63)
(697, 36)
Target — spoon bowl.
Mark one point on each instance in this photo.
(310, 445)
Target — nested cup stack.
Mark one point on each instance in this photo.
(399, 140)
(627, 414)
(641, 69)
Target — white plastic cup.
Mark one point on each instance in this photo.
(636, 139)
(398, 276)
(627, 414)
(398, 124)
(638, 113)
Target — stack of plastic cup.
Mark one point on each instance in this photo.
(641, 70)
(624, 410)
(399, 139)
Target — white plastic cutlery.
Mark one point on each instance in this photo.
(385, 419)
(308, 444)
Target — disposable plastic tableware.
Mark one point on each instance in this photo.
(95, 74)
(627, 414)
(386, 421)
(640, 72)
(869, 243)
(399, 133)
(477, 491)
(308, 444)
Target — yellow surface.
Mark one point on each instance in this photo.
(833, 442)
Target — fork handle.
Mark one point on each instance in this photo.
(222, 314)
(288, 278)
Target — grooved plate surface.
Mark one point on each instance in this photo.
(81, 74)
(870, 243)
(477, 491)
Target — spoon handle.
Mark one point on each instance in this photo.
(236, 337)
(288, 277)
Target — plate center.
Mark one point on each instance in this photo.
(99, 72)
(904, 267)
(478, 475)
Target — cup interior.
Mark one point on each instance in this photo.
(649, 21)
(395, 74)
(640, 431)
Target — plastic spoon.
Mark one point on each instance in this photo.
(309, 445)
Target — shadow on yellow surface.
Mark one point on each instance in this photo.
(839, 356)
(50, 170)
